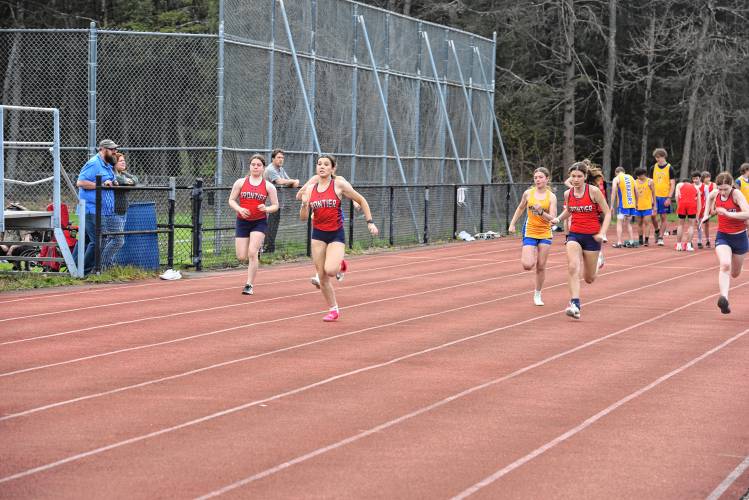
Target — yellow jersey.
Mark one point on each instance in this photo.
(535, 225)
(626, 185)
(743, 185)
(644, 195)
(662, 180)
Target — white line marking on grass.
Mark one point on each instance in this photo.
(442, 402)
(590, 421)
(729, 480)
(298, 390)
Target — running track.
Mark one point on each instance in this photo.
(441, 380)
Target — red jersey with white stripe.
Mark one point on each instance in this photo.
(250, 197)
(584, 212)
(729, 225)
(326, 208)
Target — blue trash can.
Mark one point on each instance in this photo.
(140, 250)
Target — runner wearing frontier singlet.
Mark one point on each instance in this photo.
(584, 204)
(731, 242)
(249, 197)
(328, 238)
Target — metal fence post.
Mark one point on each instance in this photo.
(426, 215)
(351, 224)
(271, 78)
(92, 69)
(455, 212)
(170, 221)
(2, 169)
(197, 224)
(312, 83)
(309, 234)
(97, 239)
(507, 206)
(385, 88)
(391, 211)
(219, 175)
(417, 135)
(354, 92)
(481, 217)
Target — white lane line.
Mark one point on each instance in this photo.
(276, 351)
(247, 325)
(211, 290)
(590, 421)
(298, 390)
(729, 480)
(435, 405)
(288, 348)
(242, 304)
(228, 274)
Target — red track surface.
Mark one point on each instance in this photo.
(441, 380)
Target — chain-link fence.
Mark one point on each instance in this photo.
(276, 76)
(300, 77)
(179, 227)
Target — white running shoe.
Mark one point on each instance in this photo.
(605, 240)
(170, 275)
(679, 247)
(572, 311)
(690, 248)
(315, 280)
(601, 260)
(537, 298)
(340, 274)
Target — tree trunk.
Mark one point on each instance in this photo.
(696, 85)
(406, 7)
(608, 121)
(568, 21)
(648, 91)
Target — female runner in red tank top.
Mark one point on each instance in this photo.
(583, 204)
(731, 242)
(328, 238)
(249, 198)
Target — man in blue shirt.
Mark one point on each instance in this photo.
(99, 164)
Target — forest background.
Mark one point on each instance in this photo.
(608, 80)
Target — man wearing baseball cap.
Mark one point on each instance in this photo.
(99, 164)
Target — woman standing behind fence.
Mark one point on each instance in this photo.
(542, 208)
(114, 243)
(328, 238)
(248, 198)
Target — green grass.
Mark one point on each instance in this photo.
(24, 281)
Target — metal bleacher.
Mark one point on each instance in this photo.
(36, 220)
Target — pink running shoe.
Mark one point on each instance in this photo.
(333, 315)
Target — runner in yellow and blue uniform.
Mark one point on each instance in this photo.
(624, 198)
(664, 179)
(541, 205)
(645, 203)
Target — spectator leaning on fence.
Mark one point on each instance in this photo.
(124, 178)
(99, 164)
(276, 174)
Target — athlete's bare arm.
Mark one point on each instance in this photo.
(234, 197)
(344, 188)
(273, 195)
(518, 211)
(599, 198)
